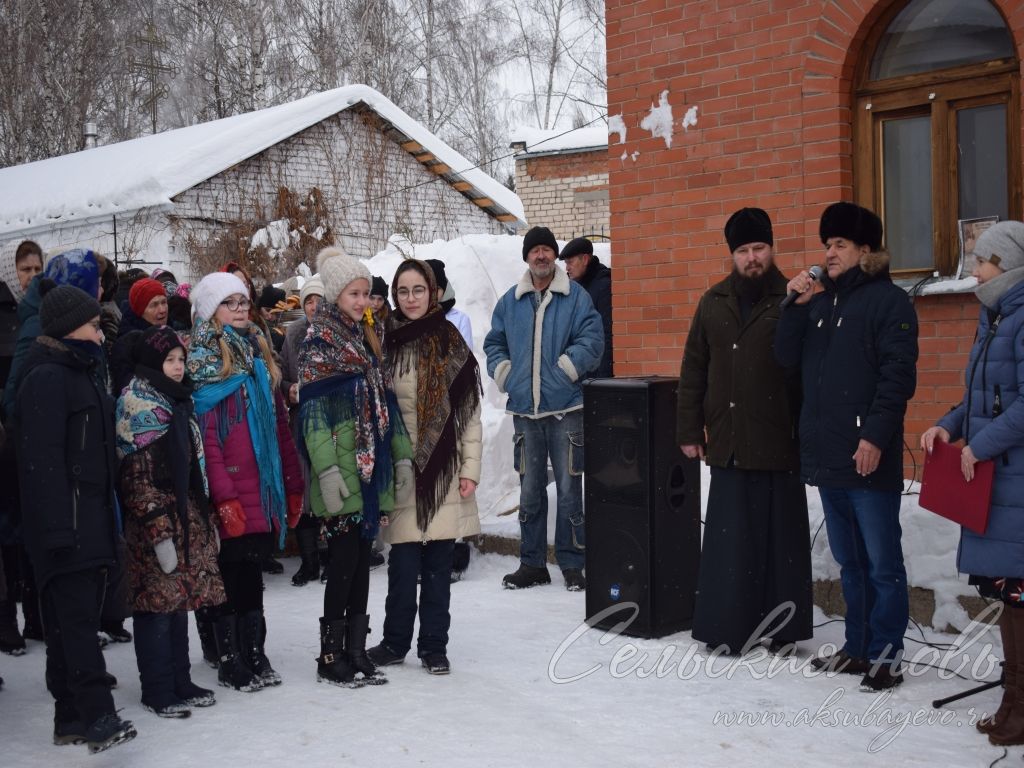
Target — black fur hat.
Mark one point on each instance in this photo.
(748, 225)
(852, 222)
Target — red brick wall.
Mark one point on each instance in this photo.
(772, 81)
(566, 166)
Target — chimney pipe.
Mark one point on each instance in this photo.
(89, 134)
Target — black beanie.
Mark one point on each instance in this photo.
(153, 345)
(379, 287)
(439, 275)
(748, 225)
(851, 222)
(539, 236)
(64, 308)
(270, 296)
(577, 246)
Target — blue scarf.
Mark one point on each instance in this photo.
(260, 417)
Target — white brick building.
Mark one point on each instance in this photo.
(155, 199)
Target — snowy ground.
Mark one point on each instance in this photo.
(506, 702)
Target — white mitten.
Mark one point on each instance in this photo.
(166, 555)
(333, 490)
(405, 484)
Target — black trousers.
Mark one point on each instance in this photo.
(243, 585)
(75, 670)
(348, 575)
(431, 565)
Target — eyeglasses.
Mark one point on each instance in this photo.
(236, 304)
(417, 292)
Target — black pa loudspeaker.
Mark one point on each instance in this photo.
(642, 508)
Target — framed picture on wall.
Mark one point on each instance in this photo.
(969, 230)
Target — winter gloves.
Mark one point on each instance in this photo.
(405, 484)
(232, 517)
(333, 490)
(166, 555)
(294, 509)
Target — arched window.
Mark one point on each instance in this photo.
(937, 129)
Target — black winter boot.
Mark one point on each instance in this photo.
(108, 731)
(355, 644)
(11, 641)
(253, 638)
(310, 568)
(232, 671)
(333, 665)
(204, 626)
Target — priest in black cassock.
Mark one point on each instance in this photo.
(738, 410)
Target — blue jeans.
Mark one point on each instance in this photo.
(864, 534)
(432, 564)
(561, 440)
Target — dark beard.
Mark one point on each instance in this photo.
(751, 289)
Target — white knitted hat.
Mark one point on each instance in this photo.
(337, 270)
(313, 286)
(212, 290)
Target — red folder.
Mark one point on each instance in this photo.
(945, 492)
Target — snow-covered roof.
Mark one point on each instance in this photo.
(149, 171)
(536, 141)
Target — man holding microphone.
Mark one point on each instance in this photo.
(855, 337)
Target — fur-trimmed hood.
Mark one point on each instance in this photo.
(875, 263)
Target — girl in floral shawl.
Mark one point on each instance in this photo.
(171, 537)
(437, 384)
(253, 470)
(358, 452)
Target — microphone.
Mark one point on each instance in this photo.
(814, 273)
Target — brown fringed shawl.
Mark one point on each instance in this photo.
(447, 394)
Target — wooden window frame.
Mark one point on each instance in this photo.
(940, 94)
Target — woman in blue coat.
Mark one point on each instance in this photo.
(990, 421)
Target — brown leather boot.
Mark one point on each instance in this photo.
(1011, 730)
(1006, 631)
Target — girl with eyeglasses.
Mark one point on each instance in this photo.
(253, 469)
(437, 383)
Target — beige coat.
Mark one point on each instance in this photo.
(457, 517)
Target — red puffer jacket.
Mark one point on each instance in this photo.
(231, 468)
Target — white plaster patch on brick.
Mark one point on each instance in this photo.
(659, 119)
(617, 125)
(690, 118)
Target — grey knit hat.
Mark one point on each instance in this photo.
(1002, 244)
(65, 308)
(337, 269)
(312, 287)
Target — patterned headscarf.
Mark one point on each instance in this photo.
(340, 379)
(447, 392)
